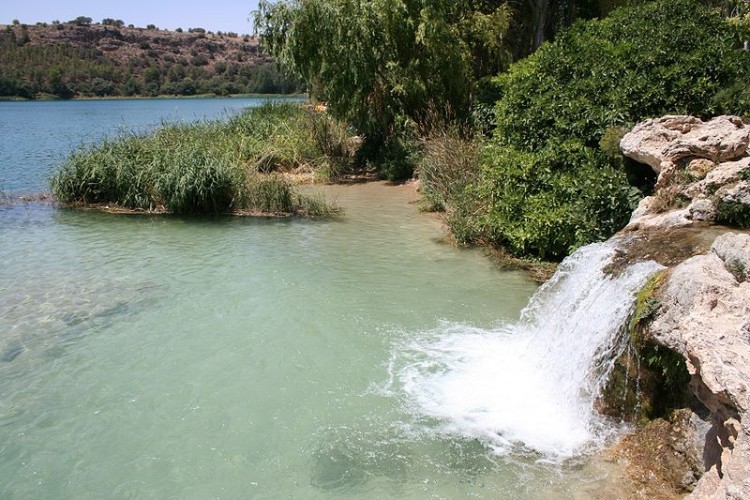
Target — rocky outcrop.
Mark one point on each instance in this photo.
(703, 171)
(703, 311)
(673, 137)
(704, 315)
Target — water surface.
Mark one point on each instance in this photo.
(224, 357)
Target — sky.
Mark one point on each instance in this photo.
(212, 15)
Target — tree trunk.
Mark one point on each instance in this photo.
(539, 9)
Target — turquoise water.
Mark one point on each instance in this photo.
(165, 357)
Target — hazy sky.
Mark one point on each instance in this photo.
(213, 15)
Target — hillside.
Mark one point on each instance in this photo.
(81, 59)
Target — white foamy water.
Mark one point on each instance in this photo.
(529, 386)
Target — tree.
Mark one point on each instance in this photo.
(23, 37)
(547, 183)
(56, 85)
(381, 65)
(82, 21)
(131, 87)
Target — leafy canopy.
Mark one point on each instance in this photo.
(643, 61)
(378, 63)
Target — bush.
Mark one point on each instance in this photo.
(548, 203)
(552, 180)
(670, 56)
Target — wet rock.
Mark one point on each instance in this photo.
(665, 457)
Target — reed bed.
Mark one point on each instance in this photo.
(240, 165)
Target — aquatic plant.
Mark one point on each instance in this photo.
(209, 167)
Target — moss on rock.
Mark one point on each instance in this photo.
(648, 381)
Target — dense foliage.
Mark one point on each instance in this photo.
(381, 65)
(639, 62)
(211, 167)
(33, 64)
(547, 185)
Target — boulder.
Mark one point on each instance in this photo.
(674, 137)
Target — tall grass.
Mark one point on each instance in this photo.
(210, 167)
(449, 165)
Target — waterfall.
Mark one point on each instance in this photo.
(530, 385)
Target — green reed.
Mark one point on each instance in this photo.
(207, 167)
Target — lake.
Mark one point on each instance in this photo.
(225, 357)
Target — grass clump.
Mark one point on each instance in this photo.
(210, 167)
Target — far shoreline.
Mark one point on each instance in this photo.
(149, 98)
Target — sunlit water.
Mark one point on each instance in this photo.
(164, 357)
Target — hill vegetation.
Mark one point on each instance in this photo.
(84, 59)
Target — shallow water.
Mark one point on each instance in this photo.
(165, 357)
(213, 357)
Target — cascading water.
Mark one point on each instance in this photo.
(531, 385)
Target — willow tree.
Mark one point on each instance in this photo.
(382, 63)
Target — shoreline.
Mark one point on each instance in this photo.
(150, 98)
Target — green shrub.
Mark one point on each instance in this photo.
(548, 203)
(552, 179)
(733, 213)
(669, 56)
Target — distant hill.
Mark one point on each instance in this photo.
(84, 59)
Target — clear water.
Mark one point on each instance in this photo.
(160, 357)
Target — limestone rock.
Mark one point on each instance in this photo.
(674, 137)
(664, 220)
(720, 139)
(703, 210)
(704, 317)
(703, 170)
(734, 251)
(725, 173)
(647, 141)
(739, 193)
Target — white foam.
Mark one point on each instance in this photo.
(531, 384)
